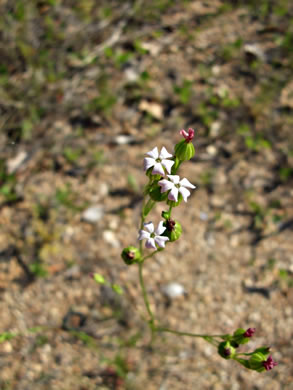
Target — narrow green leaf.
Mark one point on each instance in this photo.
(118, 290)
(99, 278)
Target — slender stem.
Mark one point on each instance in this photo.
(141, 224)
(207, 337)
(145, 297)
(186, 333)
(152, 254)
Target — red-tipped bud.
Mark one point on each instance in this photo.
(269, 364)
(188, 136)
(249, 332)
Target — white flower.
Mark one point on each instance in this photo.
(153, 236)
(176, 185)
(159, 162)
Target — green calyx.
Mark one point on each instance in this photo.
(184, 151)
(154, 192)
(226, 350)
(173, 230)
(175, 204)
(152, 176)
(131, 255)
(256, 361)
(238, 337)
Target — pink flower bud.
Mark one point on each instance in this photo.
(269, 363)
(249, 332)
(188, 136)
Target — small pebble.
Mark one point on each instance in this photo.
(255, 51)
(131, 74)
(123, 139)
(93, 214)
(111, 239)
(212, 150)
(16, 162)
(203, 216)
(173, 290)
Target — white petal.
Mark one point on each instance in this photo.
(148, 162)
(160, 229)
(165, 185)
(184, 192)
(164, 153)
(150, 244)
(143, 234)
(173, 194)
(168, 165)
(160, 240)
(149, 226)
(186, 183)
(154, 153)
(174, 178)
(158, 170)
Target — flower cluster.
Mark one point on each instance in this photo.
(259, 360)
(165, 185)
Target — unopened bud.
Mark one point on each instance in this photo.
(184, 150)
(173, 229)
(131, 255)
(242, 336)
(226, 350)
(249, 332)
(260, 362)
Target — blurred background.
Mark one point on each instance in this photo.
(87, 87)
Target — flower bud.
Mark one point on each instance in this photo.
(131, 255)
(226, 350)
(260, 360)
(184, 150)
(241, 336)
(188, 136)
(249, 332)
(173, 229)
(269, 364)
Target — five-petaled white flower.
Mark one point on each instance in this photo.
(176, 185)
(158, 161)
(153, 236)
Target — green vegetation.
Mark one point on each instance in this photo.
(66, 197)
(7, 184)
(184, 91)
(38, 269)
(5, 336)
(255, 142)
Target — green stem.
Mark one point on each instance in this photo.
(152, 254)
(145, 297)
(207, 337)
(141, 224)
(188, 333)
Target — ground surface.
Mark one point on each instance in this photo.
(85, 91)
